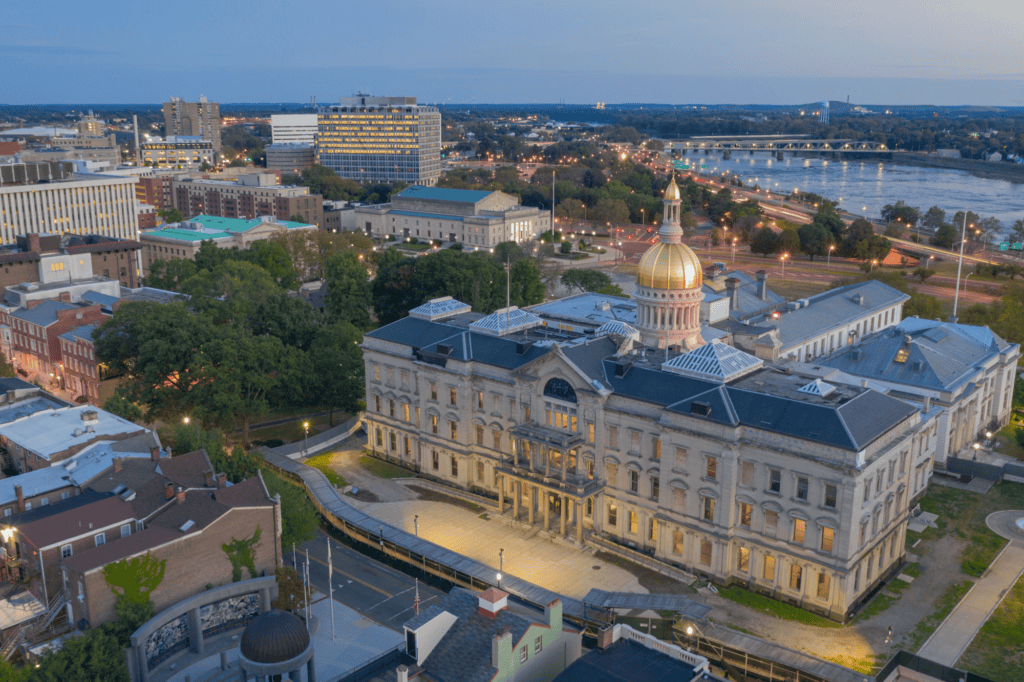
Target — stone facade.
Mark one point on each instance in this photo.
(809, 523)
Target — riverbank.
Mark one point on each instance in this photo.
(988, 170)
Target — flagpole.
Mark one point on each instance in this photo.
(309, 590)
(416, 601)
(330, 584)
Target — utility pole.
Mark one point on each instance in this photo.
(959, 265)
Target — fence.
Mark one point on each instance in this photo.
(321, 441)
(989, 472)
(642, 559)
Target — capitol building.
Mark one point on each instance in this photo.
(657, 435)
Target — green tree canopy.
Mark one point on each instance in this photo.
(815, 239)
(349, 294)
(765, 241)
(585, 279)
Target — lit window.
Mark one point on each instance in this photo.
(799, 528)
(901, 355)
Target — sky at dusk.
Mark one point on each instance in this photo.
(944, 52)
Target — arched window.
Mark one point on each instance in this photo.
(560, 389)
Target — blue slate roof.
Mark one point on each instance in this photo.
(832, 309)
(490, 350)
(464, 653)
(749, 303)
(941, 355)
(414, 332)
(470, 196)
(626, 661)
(84, 333)
(43, 314)
(102, 299)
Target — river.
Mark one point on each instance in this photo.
(866, 186)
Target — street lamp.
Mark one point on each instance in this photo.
(874, 262)
(305, 446)
(734, 249)
(783, 259)
(501, 560)
(499, 581)
(831, 248)
(186, 420)
(416, 525)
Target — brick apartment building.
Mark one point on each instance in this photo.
(36, 331)
(248, 197)
(176, 509)
(154, 190)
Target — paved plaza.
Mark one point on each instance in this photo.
(528, 555)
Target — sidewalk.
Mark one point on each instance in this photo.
(954, 635)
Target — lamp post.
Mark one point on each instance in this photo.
(784, 257)
(499, 580)
(874, 262)
(416, 525)
(959, 265)
(831, 248)
(734, 250)
(501, 560)
(305, 441)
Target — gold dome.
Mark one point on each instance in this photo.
(670, 266)
(672, 191)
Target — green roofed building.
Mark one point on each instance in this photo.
(182, 240)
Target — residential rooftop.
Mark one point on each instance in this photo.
(48, 433)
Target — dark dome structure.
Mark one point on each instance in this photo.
(274, 637)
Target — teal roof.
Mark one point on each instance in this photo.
(215, 227)
(469, 196)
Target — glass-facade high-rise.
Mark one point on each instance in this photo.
(381, 139)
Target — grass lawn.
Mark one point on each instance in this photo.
(1006, 441)
(963, 512)
(943, 605)
(293, 431)
(888, 596)
(414, 247)
(997, 652)
(382, 469)
(322, 463)
(778, 608)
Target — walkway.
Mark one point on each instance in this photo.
(954, 635)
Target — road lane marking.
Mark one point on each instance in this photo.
(349, 575)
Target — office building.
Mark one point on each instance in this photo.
(381, 139)
(706, 459)
(476, 218)
(293, 128)
(249, 196)
(290, 157)
(84, 203)
(193, 119)
(90, 126)
(178, 152)
(183, 240)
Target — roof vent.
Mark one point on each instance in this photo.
(700, 408)
(858, 299)
(492, 601)
(622, 368)
(855, 355)
(444, 349)
(128, 495)
(907, 339)
(916, 365)
(187, 525)
(523, 346)
(119, 489)
(602, 305)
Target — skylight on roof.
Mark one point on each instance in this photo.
(901, 355)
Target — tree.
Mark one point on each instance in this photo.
(298, 218)
(526, 287)
(122, 407)
(830, 220)
(923, 306)
(923, 273)
(789, 242)
(1018, 230)
(608, 210)
(815, 239)
(585, 279)
(272, 257)
(96, 656)
(860, 230)
(6, 368)
(298, 516)
(565, 248)
(902, 212)
(765, 241)
(875, 247)
(934, 218)
(655, 145)
(170, 215)
(230, 293)
(337, 368)
(169, 274)
(945, 236)
(349, 294)
(894, 230)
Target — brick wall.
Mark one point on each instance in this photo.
(192, 563)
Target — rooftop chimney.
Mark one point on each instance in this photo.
(402, 673)
(154, 453)
(927, 403)
(208, 478)
(501, 647)
(762, 287)
(33, 243)
(181, 495)
(168, 490)
(222, 480)
(21, 497)
(733, 285)
(117, 465)
(492, 601)
(553, 612)
(606, 637)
